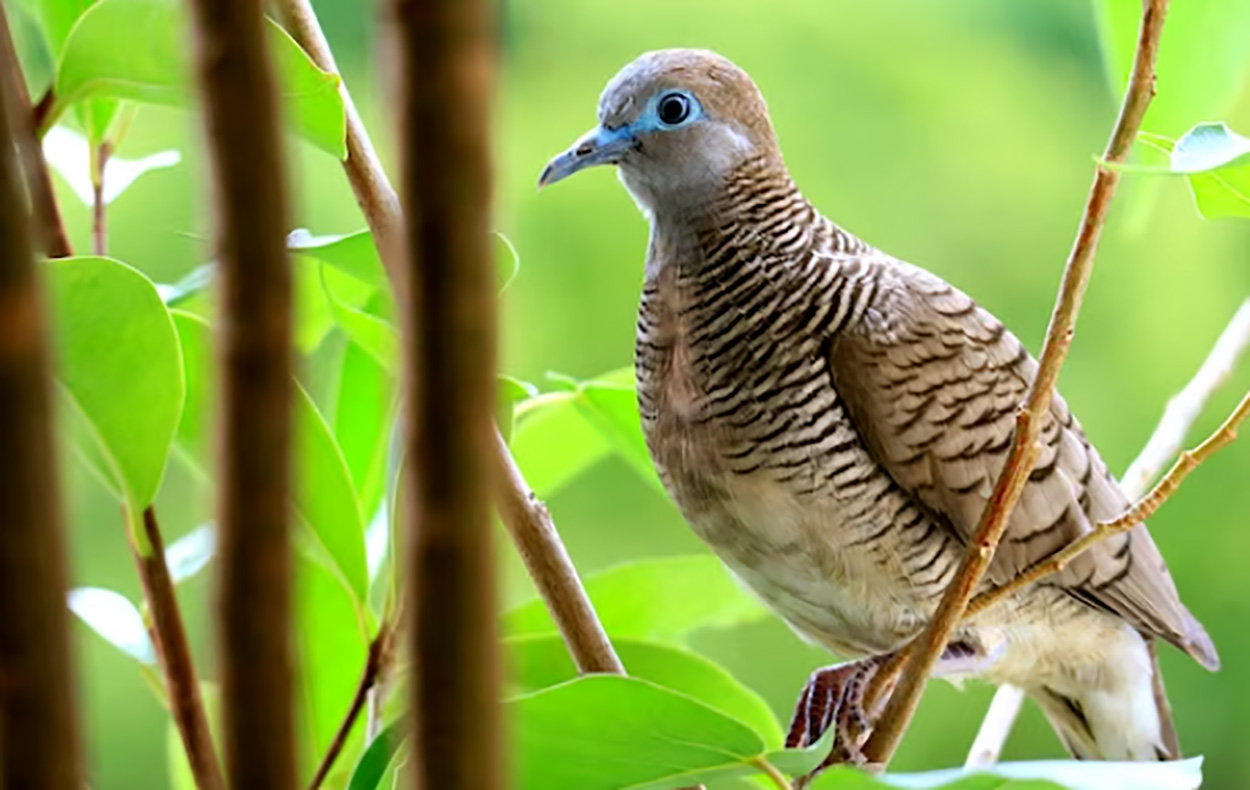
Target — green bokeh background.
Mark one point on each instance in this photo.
(956, 135)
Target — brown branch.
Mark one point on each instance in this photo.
(526, 518)
(49, 228)
(241, 116)
(99, 227)
(376, 664)
(448, 307)
(170, 638)
(1023, 454)
(39, 739)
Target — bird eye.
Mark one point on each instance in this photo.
(673, 109)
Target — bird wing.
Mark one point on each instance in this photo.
(933, 382)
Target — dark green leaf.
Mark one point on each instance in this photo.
(660, 600)
(538, 662)
(378, 756)
(93, 65)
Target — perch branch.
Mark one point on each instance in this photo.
(39, 739)
(525, 517)
(254, 352)
(50, 229)
(1023, 453)
(1179, 416)
(181, 684)
(447, 300)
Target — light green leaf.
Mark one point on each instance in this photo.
(118, 361)
(57, 18)
(538, 662)
(553, 442)
(363, 412)
(371, 333)
(1202, 58)
(324, 495)
(195, 337)
(604, 732)
(354, 253)
(613, 409)
(661, 600)
(111, 615)
(507, 261)
(378, 756)
(93, 65)
(508, 393)
(1216, 162)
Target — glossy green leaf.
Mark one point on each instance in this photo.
(324, 495)
(604, 732)
(195, 337)
(378, 756)
(93, 65)
(660, 600)
(553, 442)
(111, 615)
(353, 253)
(538, 662)
(331, 642)
(1201, 65)
(371, 333)
(118, 361)
(57, 17)
(315, 314)
(363, 412)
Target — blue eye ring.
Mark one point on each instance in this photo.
(673, 108)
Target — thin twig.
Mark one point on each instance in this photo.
(245, 147)
(526, 518)
(447, 300)
(1164, 443)
(375, 664)
(39, 739)
(99, 227)
(181, 684)
(1023, 454)
(50, 229)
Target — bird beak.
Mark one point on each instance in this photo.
(599, 146)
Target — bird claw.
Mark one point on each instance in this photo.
(834, 697)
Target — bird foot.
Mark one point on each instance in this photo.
(834, 697)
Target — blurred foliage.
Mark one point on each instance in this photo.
(956, 135)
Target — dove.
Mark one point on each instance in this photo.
(830, 420)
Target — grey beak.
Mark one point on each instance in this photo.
(599, 146)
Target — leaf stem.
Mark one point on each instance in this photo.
(769, 770)
(1024, 450)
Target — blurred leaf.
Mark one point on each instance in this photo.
(1202, 58)
(195, 337)
(332, 642)
(363, 411)
(180, 776)
(1216, 162)
(314, 313)
(371, 333)
(604, 732)
(354, 253)
(95, 64)
(507, 261)
(191, 553)
(57, 18)
(1039, 775)
(538, 662)
(111, 615)
(69, 154)
(118, 360)
(553, 442)
(508, 394)
(194, 283)
(378, 756)
(324, 495)
(659, 599)
(614, 410)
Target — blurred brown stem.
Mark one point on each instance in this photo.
(39, 738)
(99, 227)
(50, 229)
(1022, 456)
(181, 683)
(254, 352)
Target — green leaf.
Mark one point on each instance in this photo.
(324, 495)
(331, 642)
(1202, 58)
(371, 333)
(378, 757)
(1037, 775)
(354, 253)
(195, 337)
(661, 600)
(111, 615)
(57, 18)
(1216, 162)
(363, 412)
(553, 442)
(507, 261)
(118, 361)
(613, 409)
(538, 662)
(508, 393)
(94, 65)
(604, 732)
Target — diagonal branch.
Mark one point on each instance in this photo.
(1023, 454)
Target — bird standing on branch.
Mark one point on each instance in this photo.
(831, 421)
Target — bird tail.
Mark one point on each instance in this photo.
(1128, 721)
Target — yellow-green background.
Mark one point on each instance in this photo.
(956, 135)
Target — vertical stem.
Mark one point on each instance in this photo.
(447, 61)
(38, 731)
(255, 354)
(170, 637)
(99, 226)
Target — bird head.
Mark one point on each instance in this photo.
(676, 122)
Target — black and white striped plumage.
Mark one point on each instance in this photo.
(831, 420)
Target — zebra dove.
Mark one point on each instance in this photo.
(831, 420)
